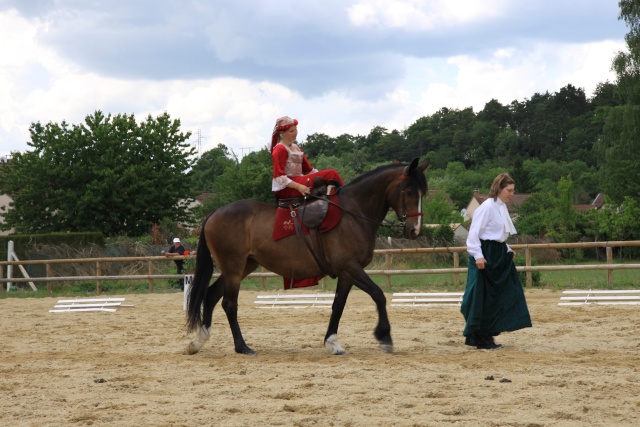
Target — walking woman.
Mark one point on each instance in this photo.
(493, 300)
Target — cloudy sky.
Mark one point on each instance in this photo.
(230, 68)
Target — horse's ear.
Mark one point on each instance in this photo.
(424, 165)
(408, 171)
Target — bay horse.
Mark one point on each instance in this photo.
(238, 236)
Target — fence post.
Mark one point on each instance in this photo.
(98, 282)
(150, 274)
(9, 267)
(49, 273)
(456, 264)
(527, 263)
(609, 261)
(387, 266)
(2, 275)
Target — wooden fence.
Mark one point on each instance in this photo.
(456, 270)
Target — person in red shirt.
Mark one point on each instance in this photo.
(292, 173)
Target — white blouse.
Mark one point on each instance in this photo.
(491, 221)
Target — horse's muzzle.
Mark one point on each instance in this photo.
(411, 232)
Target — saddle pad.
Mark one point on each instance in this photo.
(284, 225)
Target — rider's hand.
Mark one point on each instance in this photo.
(304, 189)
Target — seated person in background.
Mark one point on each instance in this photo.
(177, 249)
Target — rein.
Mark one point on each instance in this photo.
(405, 215)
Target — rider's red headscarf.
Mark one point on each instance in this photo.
(282, 124)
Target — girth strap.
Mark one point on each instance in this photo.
(314, 245)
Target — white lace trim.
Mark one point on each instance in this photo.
(280, 183)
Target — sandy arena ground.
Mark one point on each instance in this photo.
(578, 366)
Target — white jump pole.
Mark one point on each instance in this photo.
(9, 267)
(188, 278)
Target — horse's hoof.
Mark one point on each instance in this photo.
(246, 351)
(387, 348)
(193, 348)
(333, 346)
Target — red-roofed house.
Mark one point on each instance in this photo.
(597, 203)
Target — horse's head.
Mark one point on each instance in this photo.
(407, 191)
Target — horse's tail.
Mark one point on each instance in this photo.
(198, 292)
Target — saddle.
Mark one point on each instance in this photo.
(312, 210)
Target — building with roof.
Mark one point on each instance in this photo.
(477, 199)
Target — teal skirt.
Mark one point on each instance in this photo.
(493, 300)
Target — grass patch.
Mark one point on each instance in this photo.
(89, 289)
(555, 280)
(590, 279)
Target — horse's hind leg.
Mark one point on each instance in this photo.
(331, 338)
(214, 293)
(230, 306)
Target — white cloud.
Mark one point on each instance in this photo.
(420, 15)
(337, 79)
(587, 65)
(511, 75)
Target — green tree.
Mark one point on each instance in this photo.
(250, 179)
(618, 222)
(367, 144)
(507, 148)
(626, 64)
(392, 147)
(317, 144)
(420, 136)
(619, 153)
(483, 147)
(495, 112)
(564, 218)
(534, 215)
(340, 164)
(605, 95)
(521, 177)
(618, 149)
(210, 166)
(109, 174)
(345, 143)
(438, 210)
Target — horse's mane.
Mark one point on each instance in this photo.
(418, 180)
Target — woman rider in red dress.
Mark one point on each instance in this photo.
(292, 173)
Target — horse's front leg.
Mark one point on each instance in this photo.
(382, 331)
(214, 293)
(331, 338)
